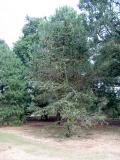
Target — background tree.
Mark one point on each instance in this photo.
(12, 83)
(25, 47)
(73, 62)
(103, 25)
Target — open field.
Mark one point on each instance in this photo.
(43, 141)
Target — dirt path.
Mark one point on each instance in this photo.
(36, 143)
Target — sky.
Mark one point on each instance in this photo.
(13, 12)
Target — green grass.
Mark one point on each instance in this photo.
(6, 137)
(31, 146)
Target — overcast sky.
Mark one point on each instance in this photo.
(13, 12)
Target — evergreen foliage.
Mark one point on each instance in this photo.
(50, 70)
(12, 83)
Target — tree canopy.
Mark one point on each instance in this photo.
(67, 64)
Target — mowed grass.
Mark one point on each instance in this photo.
(47, 139)
(30, 145)
(8, 137)
(18, 140)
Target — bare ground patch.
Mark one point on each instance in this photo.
(35, 142)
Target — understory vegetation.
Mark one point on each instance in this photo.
(66, 65)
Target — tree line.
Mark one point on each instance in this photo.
(67, 65)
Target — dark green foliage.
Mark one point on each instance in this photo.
(12, 115)
(12, 97)
(26, 46)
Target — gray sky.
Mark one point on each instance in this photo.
(13, 12)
